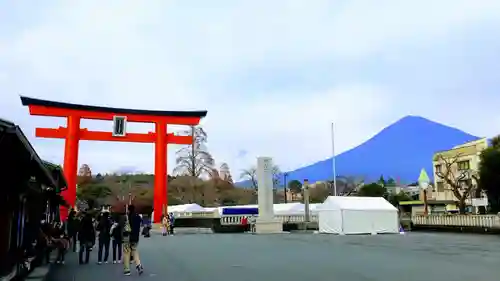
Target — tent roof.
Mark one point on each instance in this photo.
(186, 208)
(357, 203)
(287, 206)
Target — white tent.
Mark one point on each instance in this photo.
(185, 208)
(288, 209)
(314, 208)
(357, 215)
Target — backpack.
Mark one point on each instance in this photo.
(127, 229)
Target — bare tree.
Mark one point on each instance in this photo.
(251, 174)
(276, 176)
(214, 174)
(457, 180)
(188, 189)
(225, 173)
(85, 171)
(347, 185)
(194, 160)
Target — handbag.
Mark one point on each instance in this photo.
(89, 245)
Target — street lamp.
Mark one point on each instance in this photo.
(285, 175)
(305, 188)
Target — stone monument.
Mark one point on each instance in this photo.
(266, 222)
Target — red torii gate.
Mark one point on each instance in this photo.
(72, 134)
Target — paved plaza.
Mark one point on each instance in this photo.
(301, 256)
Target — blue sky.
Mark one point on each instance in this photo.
(272, 74)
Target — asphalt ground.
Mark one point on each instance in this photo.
(302, 256)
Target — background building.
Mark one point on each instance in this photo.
(461, 162)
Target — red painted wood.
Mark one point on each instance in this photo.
(160, 184)
(84, 134)
(70, 167)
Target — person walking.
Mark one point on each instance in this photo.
(253, 221)
(164, 225)
(104, 228)
(86, 237)
(131, 234)
(117, 237)
(72, 229)
(171, 219)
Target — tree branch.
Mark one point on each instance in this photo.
(451, 179)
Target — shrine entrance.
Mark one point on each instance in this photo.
(72, 134)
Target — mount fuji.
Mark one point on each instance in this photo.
(399, 151)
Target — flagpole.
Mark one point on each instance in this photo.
(334, 168)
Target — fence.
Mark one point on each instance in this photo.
(484, 221)
(236, 220)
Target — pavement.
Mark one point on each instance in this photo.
(300, 256)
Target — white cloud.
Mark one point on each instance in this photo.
(165, 54)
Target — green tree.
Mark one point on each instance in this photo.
(489, 175)
(93, 194)
(400, 197)
(295, 186)
(372, 190)
(390, 182)
(381, 181)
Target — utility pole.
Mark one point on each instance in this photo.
(285, 175)
(334, 168)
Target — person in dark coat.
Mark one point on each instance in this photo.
(86, 237)
(72, 228)
(104, 228)
(146, 229)
(117, 238)
(172, 223)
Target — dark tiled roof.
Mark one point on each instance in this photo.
(32, 101)
(21, 155)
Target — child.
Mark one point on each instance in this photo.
(165, 225)
(146, 230)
